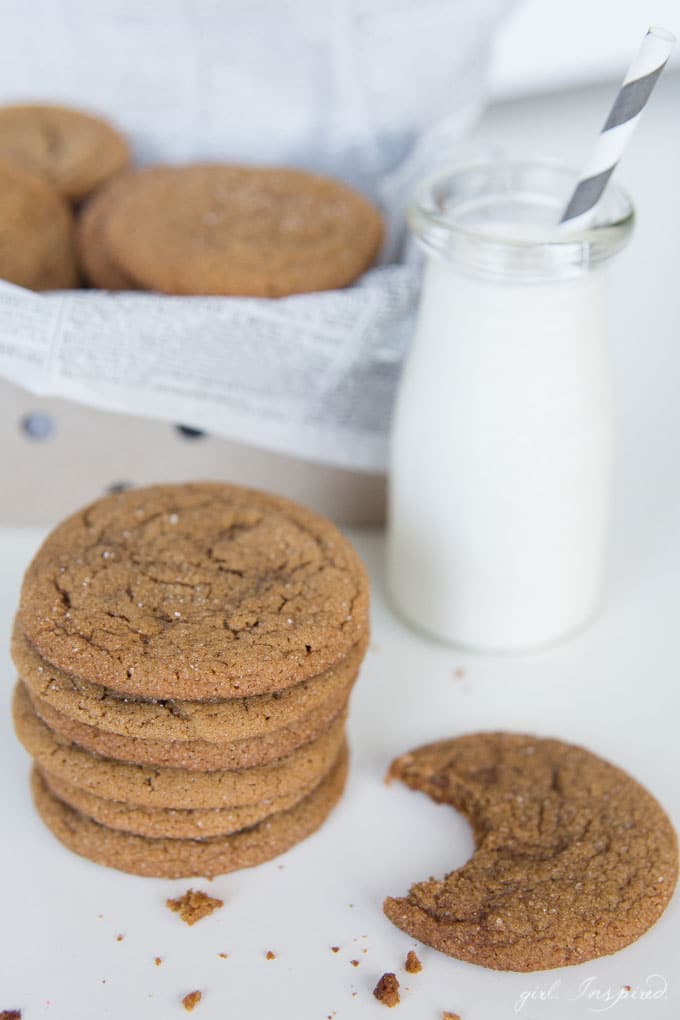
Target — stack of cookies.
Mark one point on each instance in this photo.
(186, 654)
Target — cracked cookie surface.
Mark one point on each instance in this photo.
(574, 859)
(194, 592)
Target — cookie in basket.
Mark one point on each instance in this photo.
(70, 150)
(239, 230)
(36, 232)
(96, 264)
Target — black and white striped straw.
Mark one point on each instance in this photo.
(624, 115)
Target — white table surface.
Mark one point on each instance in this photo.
(613, 688)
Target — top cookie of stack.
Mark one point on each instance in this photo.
(194, 591)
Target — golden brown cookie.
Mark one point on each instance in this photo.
(36, 233)
(574, 859)
(170, 721)
(72, 151)
(199, 755)
(172, 823)
(241, 230)
(194, 592)
(178, 858)
(94, 258)
(155, 786)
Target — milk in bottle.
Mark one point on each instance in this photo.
(503, 433)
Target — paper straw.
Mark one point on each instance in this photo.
(641, 77)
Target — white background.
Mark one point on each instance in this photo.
(547, 44)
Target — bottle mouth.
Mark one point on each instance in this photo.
(499, 216)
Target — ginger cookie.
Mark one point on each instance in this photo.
(71, 151)
(240, 230)
(194, 592)
(155, 786)
(173, 823)
(194, 754)
(36, 233)
(94, 258)
(173, 721)
(574, 859)
(179, 858)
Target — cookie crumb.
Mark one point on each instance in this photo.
(627, 988)
(194, 905)
(157, 960)
(10, 1014)
(191, 1000)
(450, 1016)
(119, 938)
(413, 964)
(269, 955)
(355, 963)
(459, 673)
(335, 949)
(223, 956)
(387, 990)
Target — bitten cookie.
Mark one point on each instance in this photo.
(154, 786)
(574, 859)
(36, 233)
(194, 592)
(72, 151)
(177, 858)
(240, 230)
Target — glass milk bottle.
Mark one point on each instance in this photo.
(502, 444)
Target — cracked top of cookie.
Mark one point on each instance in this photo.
(194, 591)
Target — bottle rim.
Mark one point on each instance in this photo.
(479, 250)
